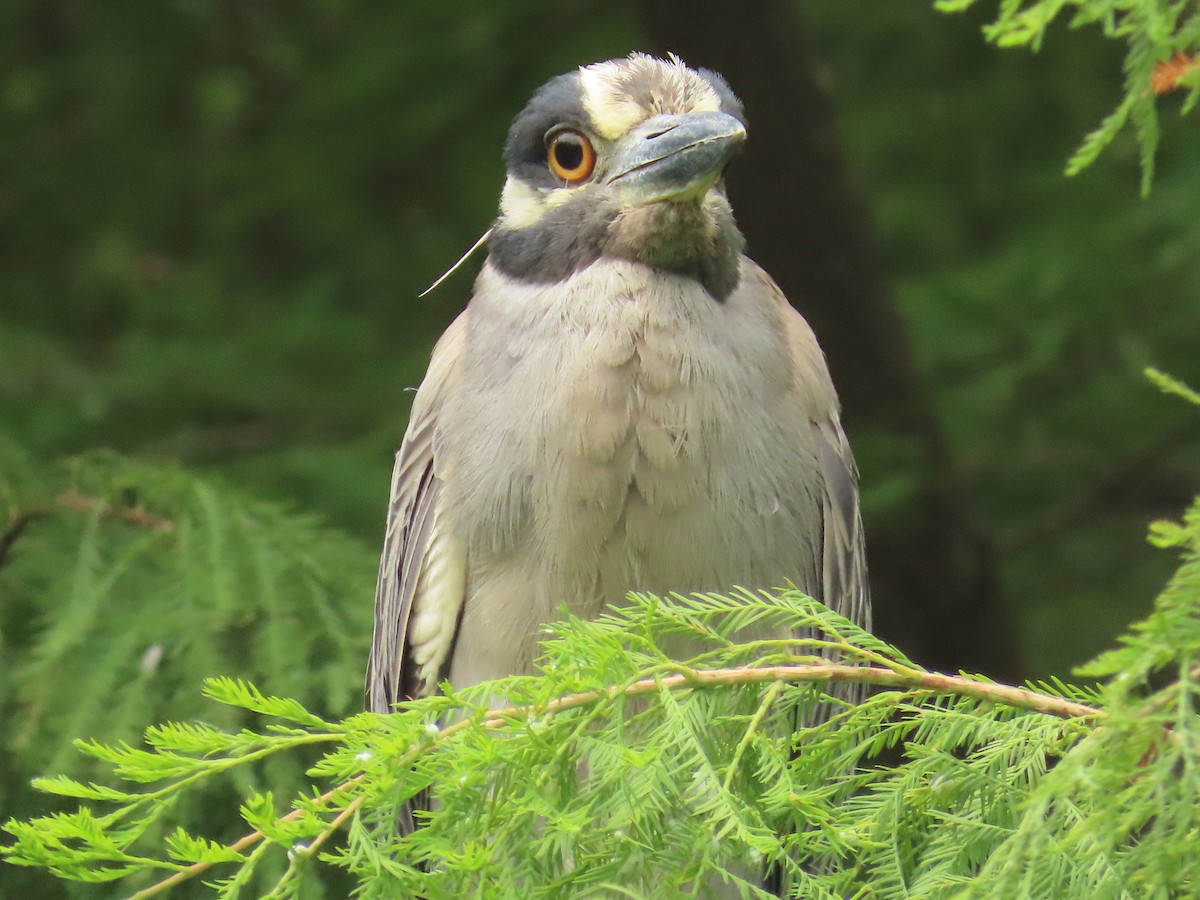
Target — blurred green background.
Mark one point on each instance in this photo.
(216, 219)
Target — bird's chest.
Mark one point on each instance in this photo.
(625, 432)
(633, 415)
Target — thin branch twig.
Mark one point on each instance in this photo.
(130, 515)
(16, 527)
(326, 833)
(933, 682)
(21, 519)
(242, 843)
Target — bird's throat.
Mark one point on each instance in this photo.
(696, 237)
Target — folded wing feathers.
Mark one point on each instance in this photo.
(438, 601)
(844, 573)
(422, 571)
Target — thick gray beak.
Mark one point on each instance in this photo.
(674, 157)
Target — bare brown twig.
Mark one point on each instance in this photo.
(16, 527)
(1166, 75)
(130, 515)
(20, 520)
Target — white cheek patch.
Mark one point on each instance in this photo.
(520, 205)
(619, 94)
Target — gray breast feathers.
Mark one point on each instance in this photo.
(617, 431)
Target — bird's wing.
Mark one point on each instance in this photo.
(843, 569)
(844, 583)
(422, 571)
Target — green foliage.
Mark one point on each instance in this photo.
(1169, 385)
(1033, 304)
(167, 575)
(122, 582)
(1156, 32)
(619, 770)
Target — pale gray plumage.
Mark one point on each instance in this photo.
(627, 403)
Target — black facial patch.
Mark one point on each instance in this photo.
(565, 239)
(591, 225)
(558, 102)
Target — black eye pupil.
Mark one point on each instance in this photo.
(568, 153)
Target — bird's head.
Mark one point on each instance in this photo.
(624, 159)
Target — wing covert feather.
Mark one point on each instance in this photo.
(422, 570)
(844, 587)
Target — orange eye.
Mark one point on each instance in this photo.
(571, 156)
